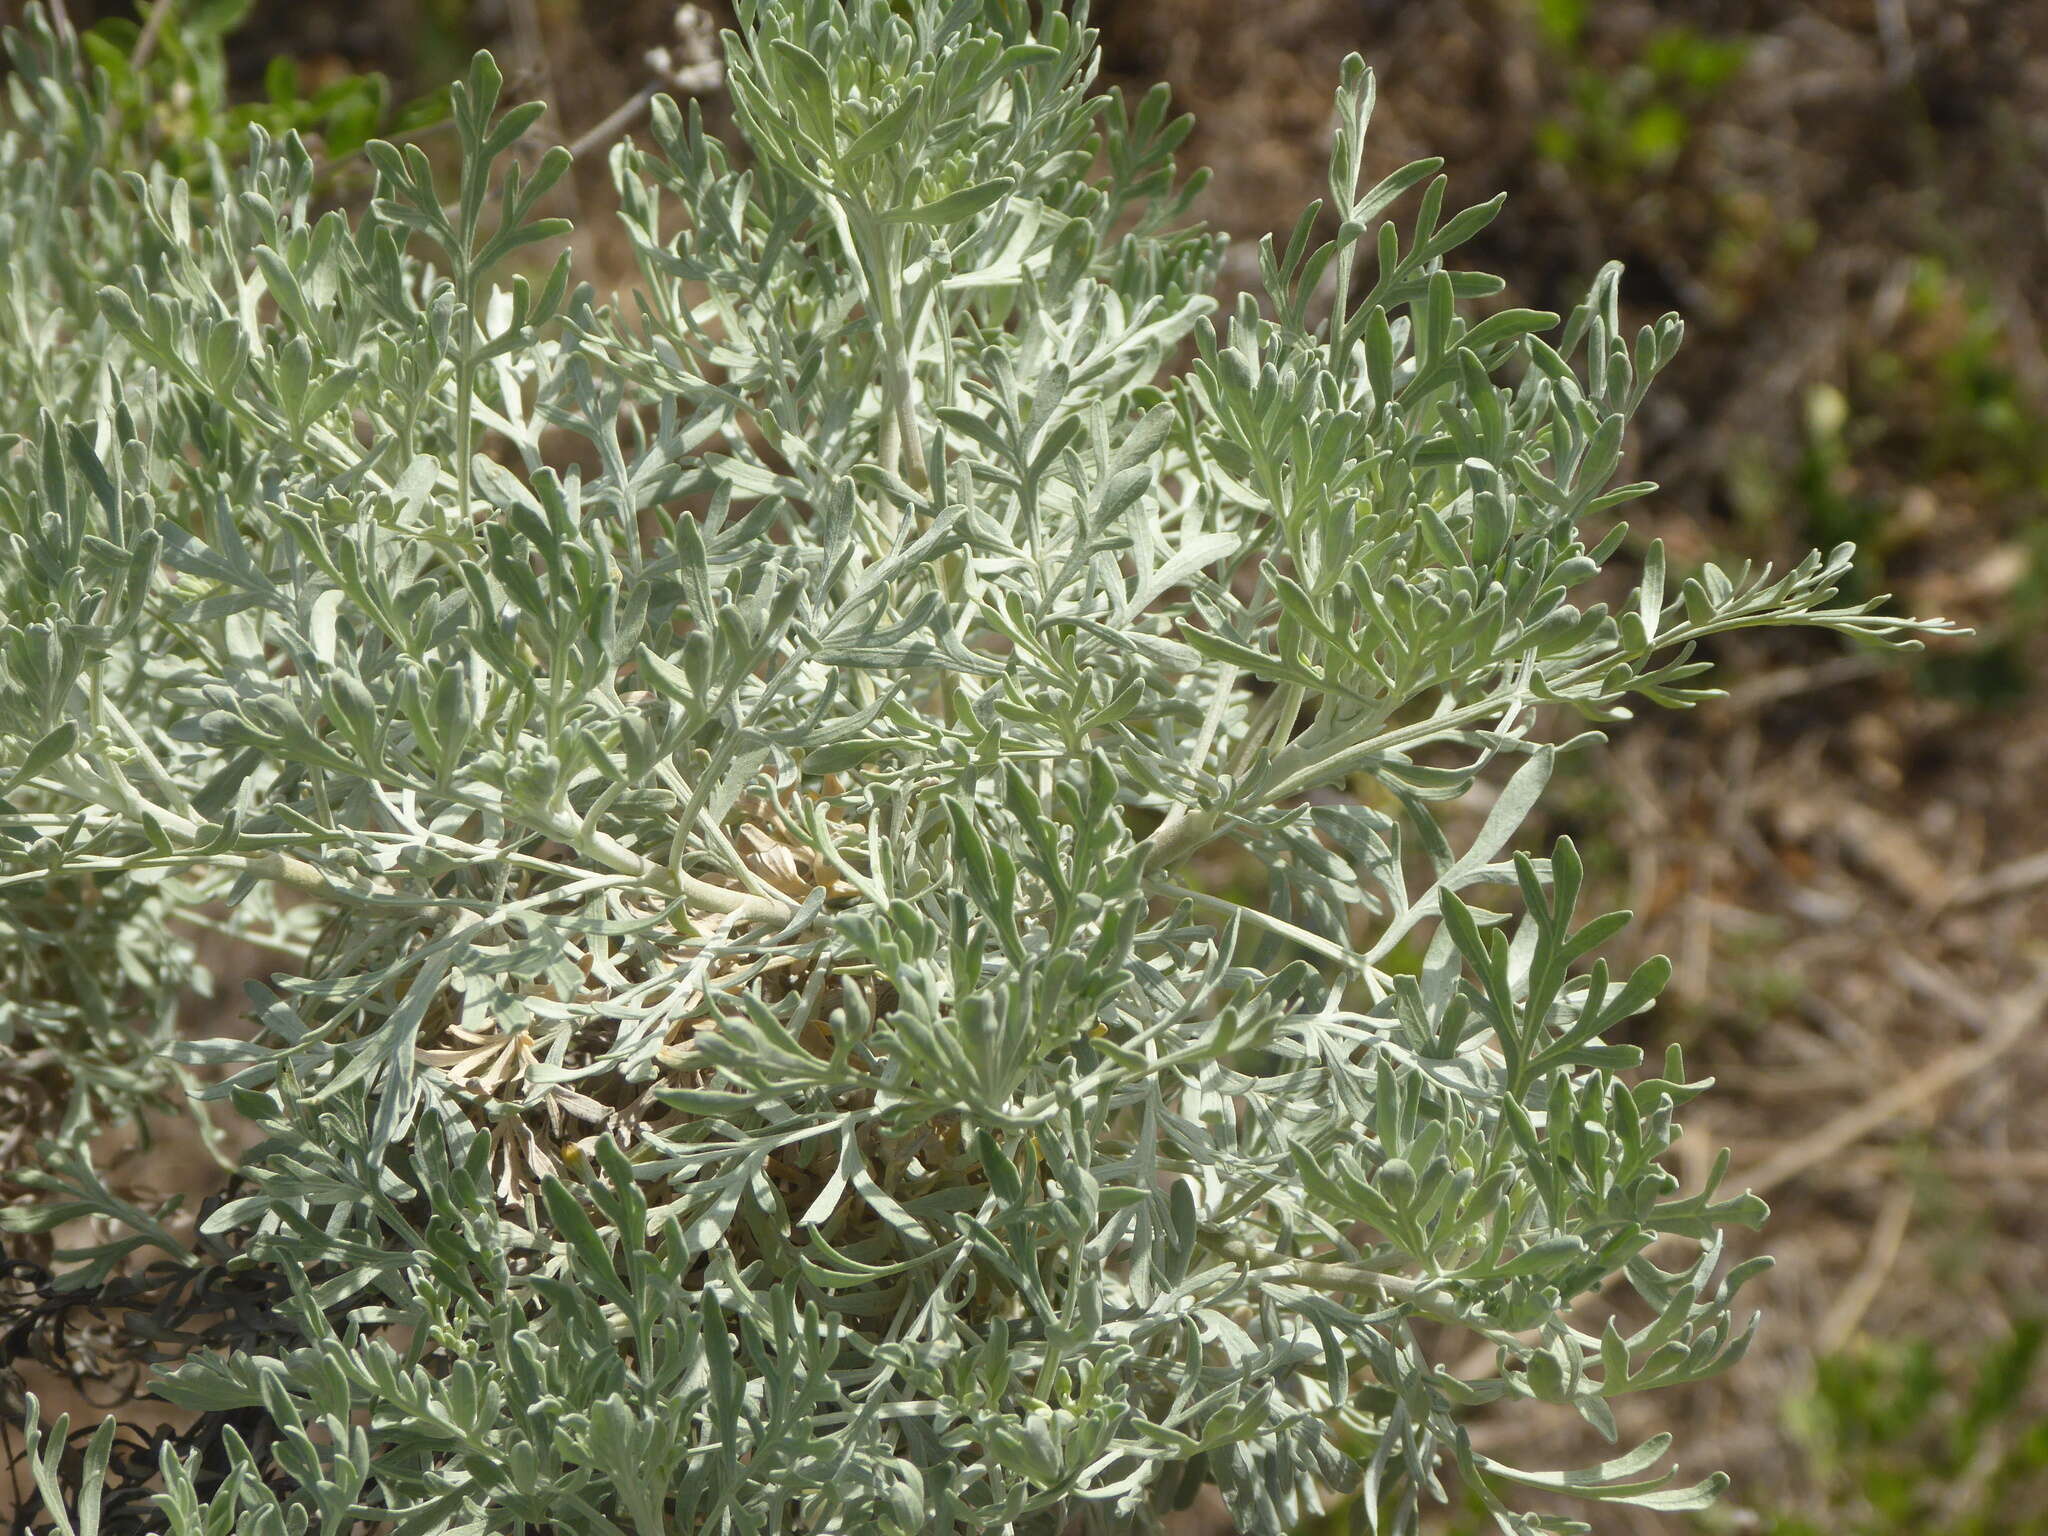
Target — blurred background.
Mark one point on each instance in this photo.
(1847, 857)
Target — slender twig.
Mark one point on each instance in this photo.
(616, 122)
(1334, 1277)
(1327, 948)
(1887, 1238)
(2007, 880)
(145, 45)
(2021, 1014)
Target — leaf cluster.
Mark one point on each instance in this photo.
(737, 776)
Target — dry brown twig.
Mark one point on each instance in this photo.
(2008, 879)
(1887, 1239)
(691, 67)
(2020, 1014)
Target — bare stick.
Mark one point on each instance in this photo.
(145, 45)
(1886, 1240)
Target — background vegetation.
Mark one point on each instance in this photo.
(1847, 859)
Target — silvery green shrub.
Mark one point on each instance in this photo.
(751, 785)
